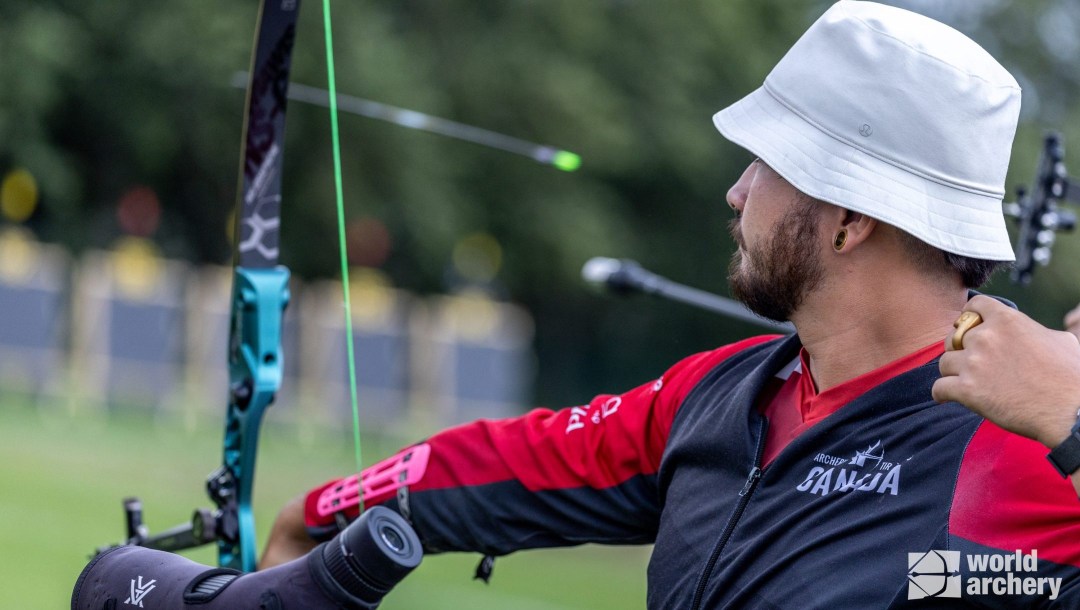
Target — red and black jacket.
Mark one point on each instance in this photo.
(829, 523)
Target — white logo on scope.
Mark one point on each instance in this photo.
(139, 591)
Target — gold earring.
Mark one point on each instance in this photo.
(840, 240)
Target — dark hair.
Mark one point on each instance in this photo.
(974, 272)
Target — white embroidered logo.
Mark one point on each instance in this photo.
(580, 415)
(866, 471)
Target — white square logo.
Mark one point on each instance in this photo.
(934, 574)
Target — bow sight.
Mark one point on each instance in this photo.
(1040, 213)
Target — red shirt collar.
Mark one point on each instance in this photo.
(815, 406)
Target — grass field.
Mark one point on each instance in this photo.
(63, 477)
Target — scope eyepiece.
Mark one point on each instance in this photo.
(369, 558)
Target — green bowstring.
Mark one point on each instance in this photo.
(339, 191)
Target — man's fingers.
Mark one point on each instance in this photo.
(1073, 317)
(986, 306)
(949, 364)
(946, 389)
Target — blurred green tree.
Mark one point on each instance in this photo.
(99, 96)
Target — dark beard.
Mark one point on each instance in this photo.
(782, 271)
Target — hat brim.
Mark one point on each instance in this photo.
(828, 168)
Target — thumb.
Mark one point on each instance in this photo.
(1073, 317)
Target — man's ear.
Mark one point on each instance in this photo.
(849, 229)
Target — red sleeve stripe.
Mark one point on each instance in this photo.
(598, 445)
(1009, 497)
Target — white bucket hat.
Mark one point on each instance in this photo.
(886, 112)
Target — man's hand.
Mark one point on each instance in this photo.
(1015, 372)
(1072, 321)
(288, 538)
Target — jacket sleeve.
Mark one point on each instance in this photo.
(549, 478)
(1012, 511)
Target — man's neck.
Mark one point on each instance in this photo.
(849, 330)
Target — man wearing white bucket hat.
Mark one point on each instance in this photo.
(817, 470)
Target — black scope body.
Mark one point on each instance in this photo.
(355, 569)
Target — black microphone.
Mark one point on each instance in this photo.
(625, 276)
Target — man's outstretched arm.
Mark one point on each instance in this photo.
(288, 537)
(546, 478)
